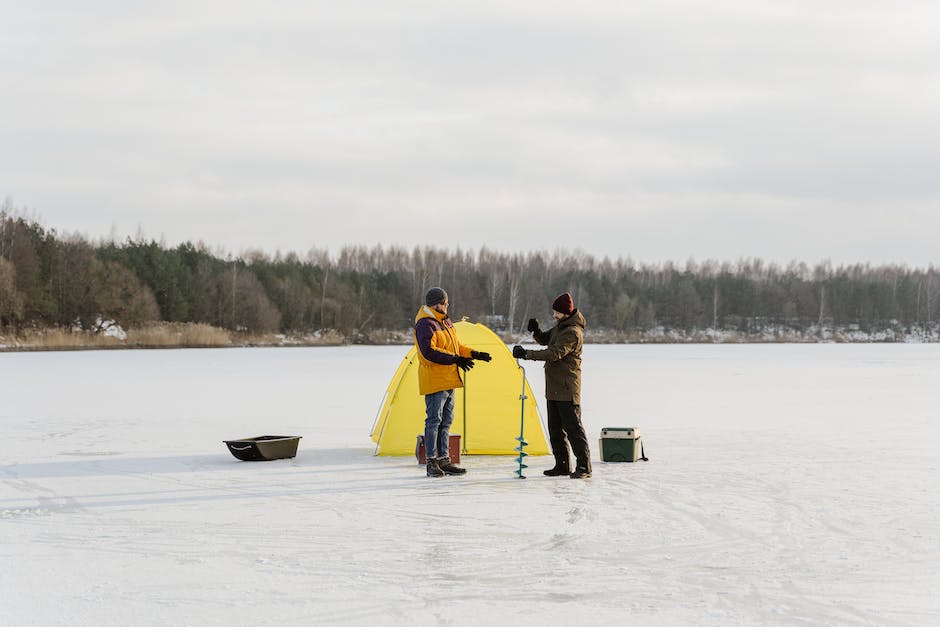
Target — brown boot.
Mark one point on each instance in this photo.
(581, 472)
(434, 469)
(449, 468)
(557, 471)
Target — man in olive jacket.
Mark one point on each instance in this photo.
(562, 359)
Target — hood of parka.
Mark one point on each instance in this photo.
(575, 319)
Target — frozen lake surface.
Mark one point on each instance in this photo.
(787, 484)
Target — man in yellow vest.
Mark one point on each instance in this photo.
(441, 357)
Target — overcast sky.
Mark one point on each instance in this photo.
(657, 130)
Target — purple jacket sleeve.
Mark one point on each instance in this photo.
(424, 331)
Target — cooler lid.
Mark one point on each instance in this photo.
(620, 432)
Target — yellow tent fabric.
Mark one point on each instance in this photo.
(486, 410)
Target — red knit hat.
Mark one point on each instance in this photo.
(564, 304)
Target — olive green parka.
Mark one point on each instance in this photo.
(562, 357)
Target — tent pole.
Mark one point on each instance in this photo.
(463, 440)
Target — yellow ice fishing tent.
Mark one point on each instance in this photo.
(486, 410)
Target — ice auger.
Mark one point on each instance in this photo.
(521, 438)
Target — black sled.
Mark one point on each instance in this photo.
(264, 447)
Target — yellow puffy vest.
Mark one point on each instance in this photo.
(432, 376)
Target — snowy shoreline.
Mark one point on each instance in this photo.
(602, 337)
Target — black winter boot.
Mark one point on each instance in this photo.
(557, 471)
(581, 472)
(449, 468)
(434, 469)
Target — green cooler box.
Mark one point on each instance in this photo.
(620, 444)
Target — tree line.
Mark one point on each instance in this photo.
(48, 279)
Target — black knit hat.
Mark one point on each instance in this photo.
(435, 296)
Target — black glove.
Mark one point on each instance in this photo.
(518, 352)
(464, 363)
(480, 355)
(533, 325)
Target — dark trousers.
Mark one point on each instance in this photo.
(564, 427)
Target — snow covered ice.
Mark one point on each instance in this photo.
(787, 484)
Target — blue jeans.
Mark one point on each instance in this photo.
(440, 406)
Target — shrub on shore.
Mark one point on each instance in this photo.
(162, 335)
(159, 335)
(169, 335)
